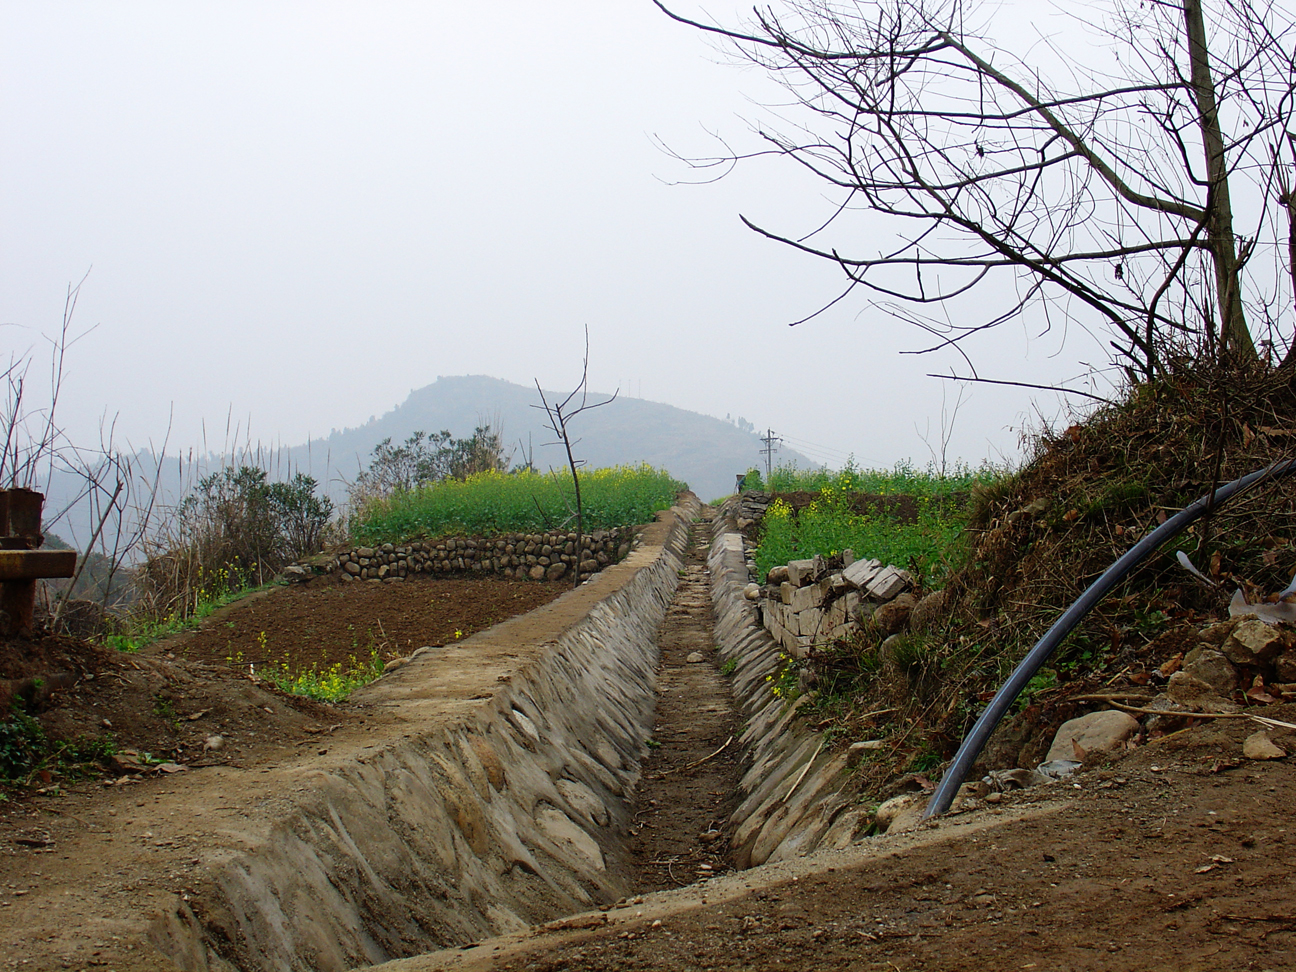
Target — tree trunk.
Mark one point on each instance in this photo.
(1234, 335)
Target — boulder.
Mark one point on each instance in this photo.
(1207, 665)
(903, 812)
(861, 572)
(889, 582)
(801, 572)
(892, 616)
(1252, 642)
(929, 612)
(1097, 732)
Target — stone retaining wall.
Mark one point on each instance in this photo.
(537, 556)
(795, 796)
(503, 803)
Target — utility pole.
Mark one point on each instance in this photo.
(769, 438)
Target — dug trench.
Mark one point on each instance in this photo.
(484, 786)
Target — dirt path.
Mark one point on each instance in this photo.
(686, 794)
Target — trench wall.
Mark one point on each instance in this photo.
(795, 796)
(491, 813)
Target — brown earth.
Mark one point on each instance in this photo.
(167, 700)
(321, 624)
(1175, 857)
(690, 777)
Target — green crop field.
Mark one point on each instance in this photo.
(493, 502)
(828, 525)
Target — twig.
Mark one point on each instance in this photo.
(1262, 720)
(1182, 715)
(876, 712)
(1113, 696)
(1027, 384)
(804, 771)
(699, 762)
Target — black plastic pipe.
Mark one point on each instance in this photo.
(1044, 648)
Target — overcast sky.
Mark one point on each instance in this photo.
(295, 213)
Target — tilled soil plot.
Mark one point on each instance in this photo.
(321, 624)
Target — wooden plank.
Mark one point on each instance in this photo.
(31, 564)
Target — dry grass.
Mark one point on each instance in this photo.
(1037, 539)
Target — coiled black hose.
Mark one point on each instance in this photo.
(1044, 648)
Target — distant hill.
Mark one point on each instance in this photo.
(704, 451)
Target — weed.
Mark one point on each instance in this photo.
(333, 684)
(163, 708)
(25, 750)
(785, 681)
(729, 667)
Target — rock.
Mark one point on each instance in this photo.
(583, 801)
(800, 572)
(1258, 745)
(1285, 667)
(891, 617)
(351, 567)
(536, 573)
(903, 812)
(555, 571)
(888, 582)
(1097, 732)
(866, 745)
(861, 572)
(1216, 634)
(1252, 642)
(776, 575)
(929, 612)
(695, 657)
(752, 592)
(214, 743)
(1212, 667)
(1195, 694)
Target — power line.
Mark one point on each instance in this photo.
(769, 438)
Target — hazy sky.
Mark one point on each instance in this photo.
(298, 212)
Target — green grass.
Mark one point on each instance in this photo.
(226, 588)
(828, 526)
(491, 503)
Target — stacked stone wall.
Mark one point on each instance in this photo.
(533, 556)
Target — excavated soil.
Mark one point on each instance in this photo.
(1175, 857)
(692, 773)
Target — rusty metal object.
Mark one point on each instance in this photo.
(21, 564)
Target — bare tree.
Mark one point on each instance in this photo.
(1140, 184)
(114, 490)
(560, 415)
